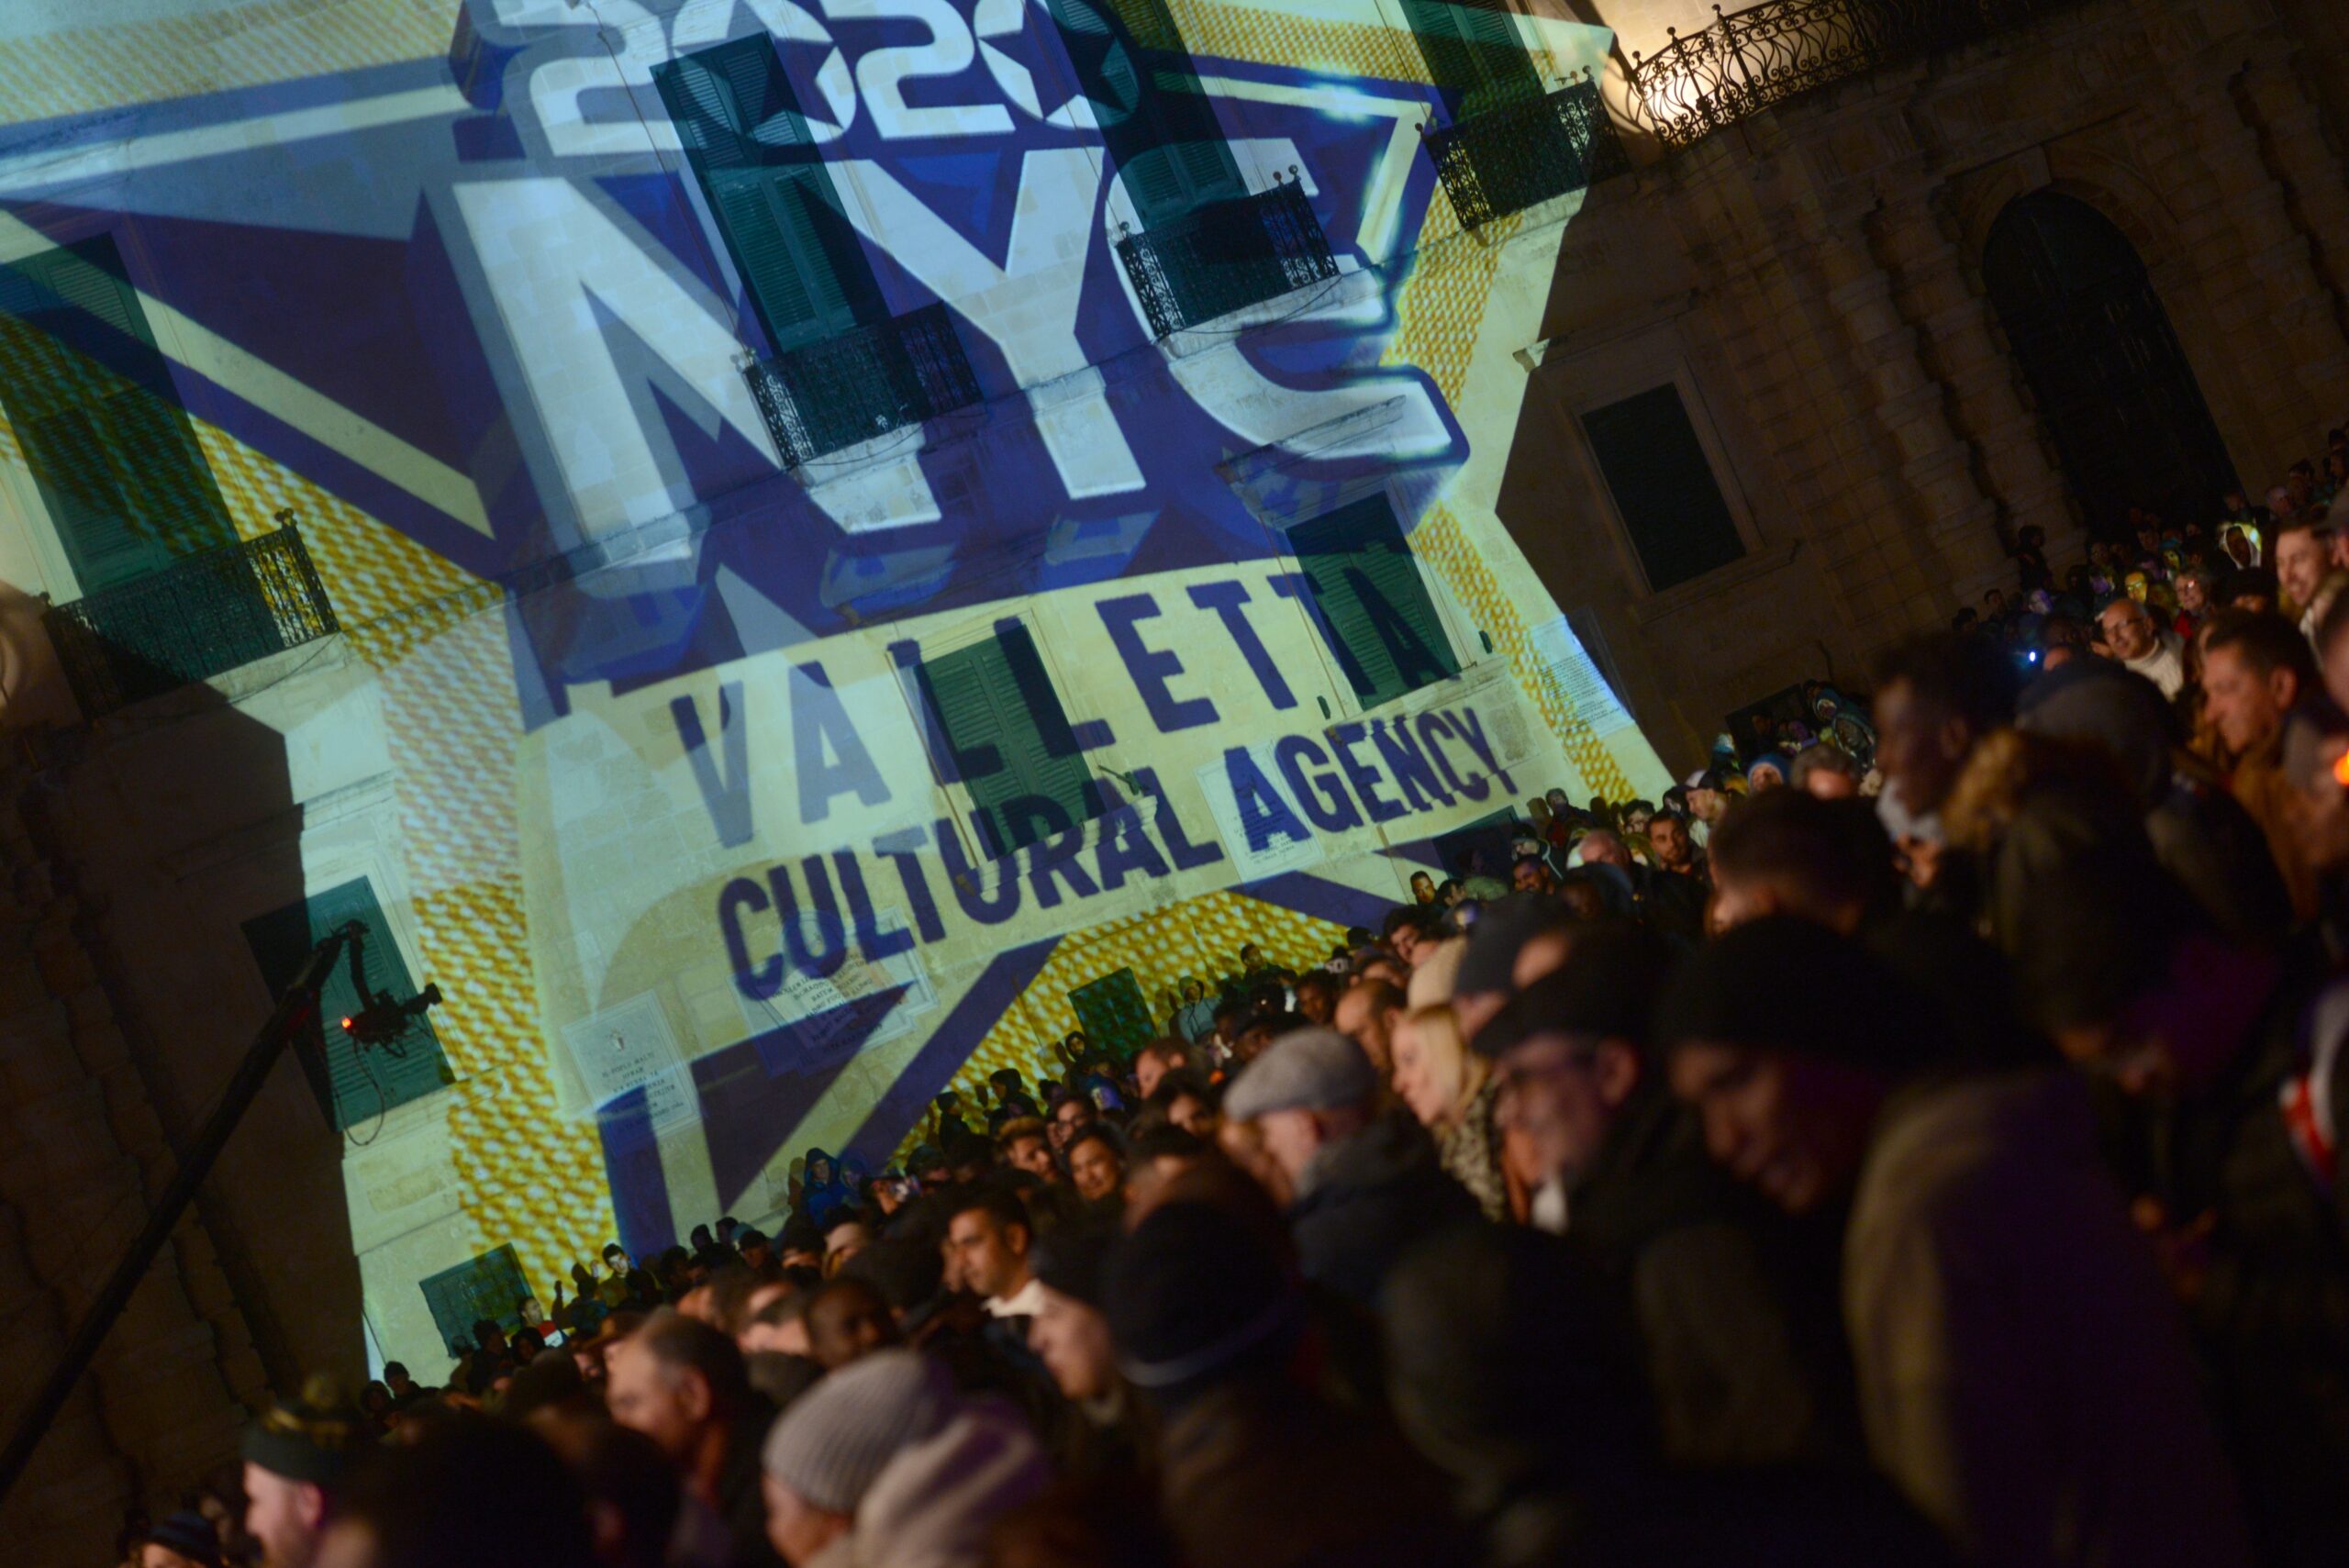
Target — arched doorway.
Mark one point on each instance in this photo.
(2113, 384)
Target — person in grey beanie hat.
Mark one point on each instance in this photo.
(835, 1440)
(881, 1465)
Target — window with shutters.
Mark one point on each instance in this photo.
(1474, 54)
(1365, 593)
(90, 398)
(1157, 122)
(776, 208)
(1508, 144)
(490, 1286)
(1664, 487)
(1113, 1014)
(353, 1086)
(1008, 741)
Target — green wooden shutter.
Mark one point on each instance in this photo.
(1373, 608)
(1473, 49)
(93, 404)
(1157, 121)
(777, 209)
(1013, 746)
(351, 1092)
(487, 1286)
(1114, 1014)
(1663, 487)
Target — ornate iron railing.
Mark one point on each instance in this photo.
(196, 618)
(864, 383)
(1508, 158)
(1226, 256)
(1755, 59)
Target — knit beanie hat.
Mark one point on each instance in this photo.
(1074, 1262)
(833, 1443)
(190, 1534)
(1607, 989)
(312, 1439)
(1505, 927)
(1191, 1292)
(905, 1270)
(1742, 988)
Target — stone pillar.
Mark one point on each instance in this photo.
(2237, 241)
(2292, 139)
(1959, 544)
(1814, 350)
(1967, 354)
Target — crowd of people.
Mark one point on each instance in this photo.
(1918, 1143)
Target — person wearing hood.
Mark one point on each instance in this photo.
(2022, 1376)
(2028, 803)
(882, 1465)
(2199, 833)
(1746, 1363)
(824, 1190)
(1364, 1182)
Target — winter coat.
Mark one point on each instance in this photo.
(1363, 1200)
(2024, 1374)
(1265, 1475)
(1747, 1364)
(2270, 1310)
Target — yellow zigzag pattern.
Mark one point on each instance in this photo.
(432, 633)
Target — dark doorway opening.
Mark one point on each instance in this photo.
(2112, 385)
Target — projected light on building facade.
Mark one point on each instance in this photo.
(865, 519)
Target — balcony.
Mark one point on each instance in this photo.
(1758, 58)
(198, 617)
(1225, 256)
(826, 397)
(1508, 158)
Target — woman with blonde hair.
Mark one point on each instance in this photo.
(1453, 1092)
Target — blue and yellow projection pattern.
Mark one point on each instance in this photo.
(664, 826)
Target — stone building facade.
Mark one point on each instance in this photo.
(1810, 277)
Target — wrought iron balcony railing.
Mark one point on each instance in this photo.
(1755, 59)
(198, 617)
(1506, 158)
(1226, 256)
(820, 398)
